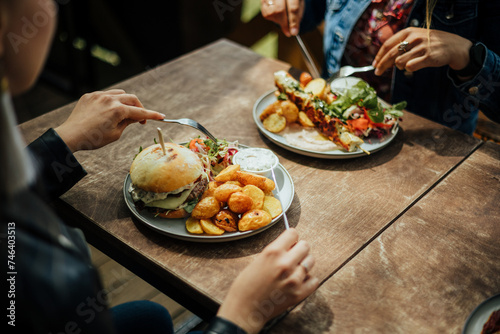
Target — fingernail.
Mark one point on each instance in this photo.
(374, 64)
(294, 31)
(162, 115)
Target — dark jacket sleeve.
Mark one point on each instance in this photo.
(314, 14)
(222, 326)
(58, 169)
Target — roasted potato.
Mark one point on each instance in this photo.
(272, 206)
(225, 190)
(316, 86)
(210, 228)
(238, 183)
(206, 208)
(270, 109)
(228, 173)
(212, 185)
(238, 202)
(290, 111)
(254, 219)
(304, 120)
(251, 178)
(226, 220)
(193, 226)
(256, 194)
(274, 123)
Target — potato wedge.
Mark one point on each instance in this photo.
(238, 183)
(251, 178)
(316, 86)
(304, 120)
(274, 123)
(226, 220)
(193, 226)
(290, 111)
(210, 228)
(227, 174)
(254, 219)
(256, 194)
(223, 192)
(212, 185)
(270, 109)
(273, 206)
(239, 202)
(206, 208)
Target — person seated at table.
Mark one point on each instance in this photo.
(53, 286)
(446, 73)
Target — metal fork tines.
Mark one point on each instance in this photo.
(347, 70)
(191, 123)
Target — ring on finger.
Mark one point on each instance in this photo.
(402, 46)
(305, 266)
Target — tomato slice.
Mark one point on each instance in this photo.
(192, 144)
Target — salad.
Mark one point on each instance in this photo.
(214, 156)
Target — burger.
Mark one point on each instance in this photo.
(167, 184)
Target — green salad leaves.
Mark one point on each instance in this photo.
(364, 96)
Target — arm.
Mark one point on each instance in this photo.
(277, 279)
(98, 119)
(437, 48)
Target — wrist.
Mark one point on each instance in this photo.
(476, 57)
(66, 137)
(241, 317)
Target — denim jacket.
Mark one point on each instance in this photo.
(431, 92)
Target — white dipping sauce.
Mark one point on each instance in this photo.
(255, 159)
(307, 138)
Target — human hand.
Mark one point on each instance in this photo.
(286, 13)
(276, 280)
(99, 118)
(425, 48)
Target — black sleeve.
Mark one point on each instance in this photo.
(222, 326)
(58, 170)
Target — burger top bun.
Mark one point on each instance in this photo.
(154, 171)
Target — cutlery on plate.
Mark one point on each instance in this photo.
(347, 70)
(191, 123)
(277, 195)
(311, 65)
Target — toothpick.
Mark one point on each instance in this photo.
(362, 149)
(162, 143)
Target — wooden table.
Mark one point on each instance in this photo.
(405, 237)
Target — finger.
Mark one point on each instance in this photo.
(140, 114)
(418, 63)
(285, 240)
(130, 100)
(298, 252)
(294, 16)
(389, 45)
(115, 91)
(308, 263)
(309, 285)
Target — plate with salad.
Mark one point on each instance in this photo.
(343, 120)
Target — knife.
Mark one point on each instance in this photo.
(311, 65)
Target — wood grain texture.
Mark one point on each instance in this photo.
(428, 271)
(339, 205)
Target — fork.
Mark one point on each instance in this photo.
(347, 70)
(191, 123)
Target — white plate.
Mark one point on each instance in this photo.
(176, 228)
(372, 146)
(480, 315)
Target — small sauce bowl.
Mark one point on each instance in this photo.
(256, 160)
